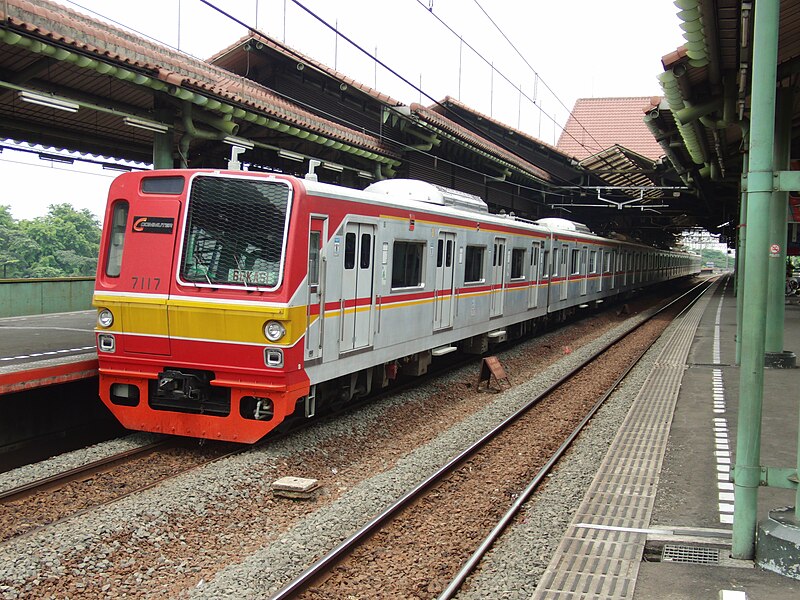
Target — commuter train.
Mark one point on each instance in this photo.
(228, 300)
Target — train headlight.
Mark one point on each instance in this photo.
(274, 331)
(105, 318)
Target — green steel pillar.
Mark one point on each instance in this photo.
(759, 194)
(779, 207)
(162, 142)
(740, 252)
(162, 150)
(797, 491)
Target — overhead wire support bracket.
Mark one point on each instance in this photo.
(613, 203)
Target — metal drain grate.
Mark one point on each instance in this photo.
(693, 555)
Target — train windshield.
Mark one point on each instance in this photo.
(235, 230)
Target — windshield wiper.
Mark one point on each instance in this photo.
(238, 260)
(199, 262)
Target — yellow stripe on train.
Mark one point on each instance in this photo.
(200, 320)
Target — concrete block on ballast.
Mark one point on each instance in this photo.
(295, 487)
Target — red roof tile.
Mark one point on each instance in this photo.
(477, 141)
(69, 28)
(293, 54)
(600, 123)
(441, 107)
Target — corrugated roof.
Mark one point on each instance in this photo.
(621, 167)
(600, 123)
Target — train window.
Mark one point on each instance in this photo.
(561, 268)
(607, 261)
(407, 264)
(313, 258)
(593, 261)
(235, 231)
(350, 251)
(574, 267)
(517, 263)
(440, 253)
(448, 258)
(473, 264)
(545, 264)
(366, 251)
(119, 220)
(163, 185)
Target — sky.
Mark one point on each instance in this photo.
(524, 64)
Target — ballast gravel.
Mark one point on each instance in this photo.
(514, 566)
(99, 554)
(315, 535)
(70, 460)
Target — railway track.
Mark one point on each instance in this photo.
(356, 560)
(341, 462)
(46, 501)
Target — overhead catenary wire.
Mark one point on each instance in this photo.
(450, 113)
(595, 150)
(404, 79)
(337, 32)
(504, 76)
(539, 79)
(447, 110)
(377, 61)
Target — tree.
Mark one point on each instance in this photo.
(16, 248)
(719, 258)
(64, 243)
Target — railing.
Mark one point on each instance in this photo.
(40, 296)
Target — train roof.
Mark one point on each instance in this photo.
(423, 196)
(408, 193)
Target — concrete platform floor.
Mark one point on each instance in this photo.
(692, 490)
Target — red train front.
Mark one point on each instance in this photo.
(197, 334)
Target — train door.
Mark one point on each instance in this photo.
(149, 280)
(563, 272)
(584, 270)
(498, 277)
(315, 305)
(625, 266)
(443, 289)
(613, 266)
(356, 303)
(601, 258)
(533, 287)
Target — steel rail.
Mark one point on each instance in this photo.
(91, 468)
(465, 571)
(344, 547)
(118, 458)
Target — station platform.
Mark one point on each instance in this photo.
(40, 350)
(656, 522)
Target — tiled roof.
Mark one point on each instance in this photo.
(68, 28)
(449, 100)
(477, 141)
(600, 123)
(293, 54)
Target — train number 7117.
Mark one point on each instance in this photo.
(146, 283)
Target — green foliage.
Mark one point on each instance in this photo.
(718, 258)
(64, 243)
